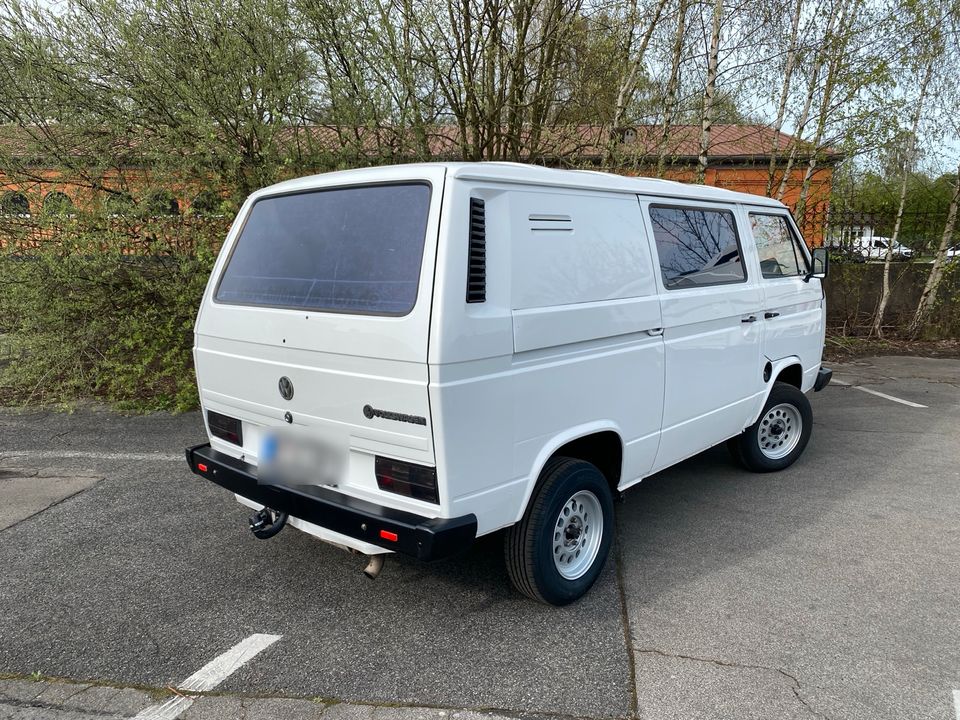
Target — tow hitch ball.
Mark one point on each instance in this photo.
(266, 523)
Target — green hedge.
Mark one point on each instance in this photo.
(103, 310)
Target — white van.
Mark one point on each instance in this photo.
(401, 359)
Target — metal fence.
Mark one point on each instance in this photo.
(847, 224)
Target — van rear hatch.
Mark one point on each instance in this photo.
(317, 317)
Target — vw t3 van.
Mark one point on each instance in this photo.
(402, 359)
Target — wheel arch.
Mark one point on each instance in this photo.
(789, 370)
(593, 442)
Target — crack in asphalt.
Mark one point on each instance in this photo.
(161, 694)
(41, 705)
(794, 681)
(97, 479)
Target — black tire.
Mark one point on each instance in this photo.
(529, 545)
(756, 447)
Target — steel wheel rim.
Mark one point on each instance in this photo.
(780, 430)
(577, 534)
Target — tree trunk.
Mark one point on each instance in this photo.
(837, 50)
(820, 58)
(929, 295)
(628, 85)
(670, 102)
(706, 123)
(784, 93)
(798, 135)
(911, 145)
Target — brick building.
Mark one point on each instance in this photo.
(739, 160)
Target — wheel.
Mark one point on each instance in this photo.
(781, 433)
(557, 551)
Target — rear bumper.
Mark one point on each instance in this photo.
(823, 379)
(422, 537)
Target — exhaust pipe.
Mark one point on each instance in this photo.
(374, 566)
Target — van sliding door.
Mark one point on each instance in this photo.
(711, 310)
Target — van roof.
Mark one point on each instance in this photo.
(524, 174)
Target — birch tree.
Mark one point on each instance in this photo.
(788, 71)
(931, 288)
(673, 86)
(908, 158)
(710, 89)
(628, 84)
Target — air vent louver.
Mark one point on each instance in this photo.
(477, 260)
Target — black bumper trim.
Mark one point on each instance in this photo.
(823, 379)
(422, 537)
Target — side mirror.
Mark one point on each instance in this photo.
(819, 263)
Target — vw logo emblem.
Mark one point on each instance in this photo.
(286, 388)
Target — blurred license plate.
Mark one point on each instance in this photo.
(301, 458)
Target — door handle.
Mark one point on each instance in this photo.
(770, 315)
(655, 331)
(748, 319)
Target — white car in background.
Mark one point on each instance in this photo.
(875, 248)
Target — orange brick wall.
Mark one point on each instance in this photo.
(751, 180)
(754, 181)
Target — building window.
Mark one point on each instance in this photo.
(118, 202)
(207, 202)
(160, 202)
(57, 203)
(13, 202)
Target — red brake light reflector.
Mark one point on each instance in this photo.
(225, 427)
(201, 467)
(403, 478)
(387, 535)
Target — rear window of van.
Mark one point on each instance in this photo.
(348, 250)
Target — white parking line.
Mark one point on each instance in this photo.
(861, 388)
(209, 676)
(956, 702)
(87, 455)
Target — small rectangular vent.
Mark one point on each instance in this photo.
(477, 259)
(550, 223)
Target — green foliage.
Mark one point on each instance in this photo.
(103, 309)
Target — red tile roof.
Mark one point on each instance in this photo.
(728, 143)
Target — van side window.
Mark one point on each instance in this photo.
(696, 246)
(779, 254)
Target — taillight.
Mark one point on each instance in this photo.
(225, 428)
(415, 481)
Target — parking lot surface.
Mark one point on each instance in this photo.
(827, 590)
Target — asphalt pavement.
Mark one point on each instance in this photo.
(827, 590)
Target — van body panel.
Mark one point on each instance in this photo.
(572, 247)
(568, 324)
(576, 321)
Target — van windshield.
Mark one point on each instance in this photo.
(349, 250)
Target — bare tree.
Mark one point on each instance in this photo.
(710, 89)
(673, 83)
(788, 68)
(928, 297)
(908, 158)
(628, 84)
